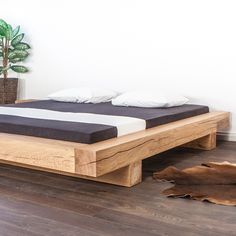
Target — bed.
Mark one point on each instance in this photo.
(100, 142)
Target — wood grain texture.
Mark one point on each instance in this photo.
(49, 154)
(207, 142)
(127, 176)
(36, 203)
(103, 157)
(100, 159)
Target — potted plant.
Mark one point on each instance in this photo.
(12, 53)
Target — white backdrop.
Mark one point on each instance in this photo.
(185, 46)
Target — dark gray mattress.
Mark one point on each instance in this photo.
(87, 132)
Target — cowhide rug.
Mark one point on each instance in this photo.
(213, 182)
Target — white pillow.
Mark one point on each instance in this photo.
(149, 99)
(83, 95)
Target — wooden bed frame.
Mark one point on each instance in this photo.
(116, 161)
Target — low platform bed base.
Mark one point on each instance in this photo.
(116, 161)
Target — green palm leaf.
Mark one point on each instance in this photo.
(21, 53)
(15, 31)
(9, 32)
(3, 31)
(15, 60)
(22, 46)
(11, 55)
(3, 24)
(18, 54)
(17, 39)
(19, 69)
(17, 50)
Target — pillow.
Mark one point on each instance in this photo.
(83, 95)
(148, 99)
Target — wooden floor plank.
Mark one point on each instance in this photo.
(38, 203)
(70, 213)
(7, 229)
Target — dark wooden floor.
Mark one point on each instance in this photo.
(37, 203)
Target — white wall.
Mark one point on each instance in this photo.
(185, 46)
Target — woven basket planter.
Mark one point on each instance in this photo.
(8, 90)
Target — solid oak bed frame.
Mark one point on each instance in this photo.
(116, 161)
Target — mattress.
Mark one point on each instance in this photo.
(86, 123)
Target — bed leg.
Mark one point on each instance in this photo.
(207, 142)
(127, 176)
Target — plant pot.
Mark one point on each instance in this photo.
(8, 90)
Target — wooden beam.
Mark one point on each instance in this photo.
(58, 157)
(33, 151)
(96, 161)
(127, 176)
(207, 142)
(103, 157)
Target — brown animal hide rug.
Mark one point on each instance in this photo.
(212, 182)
